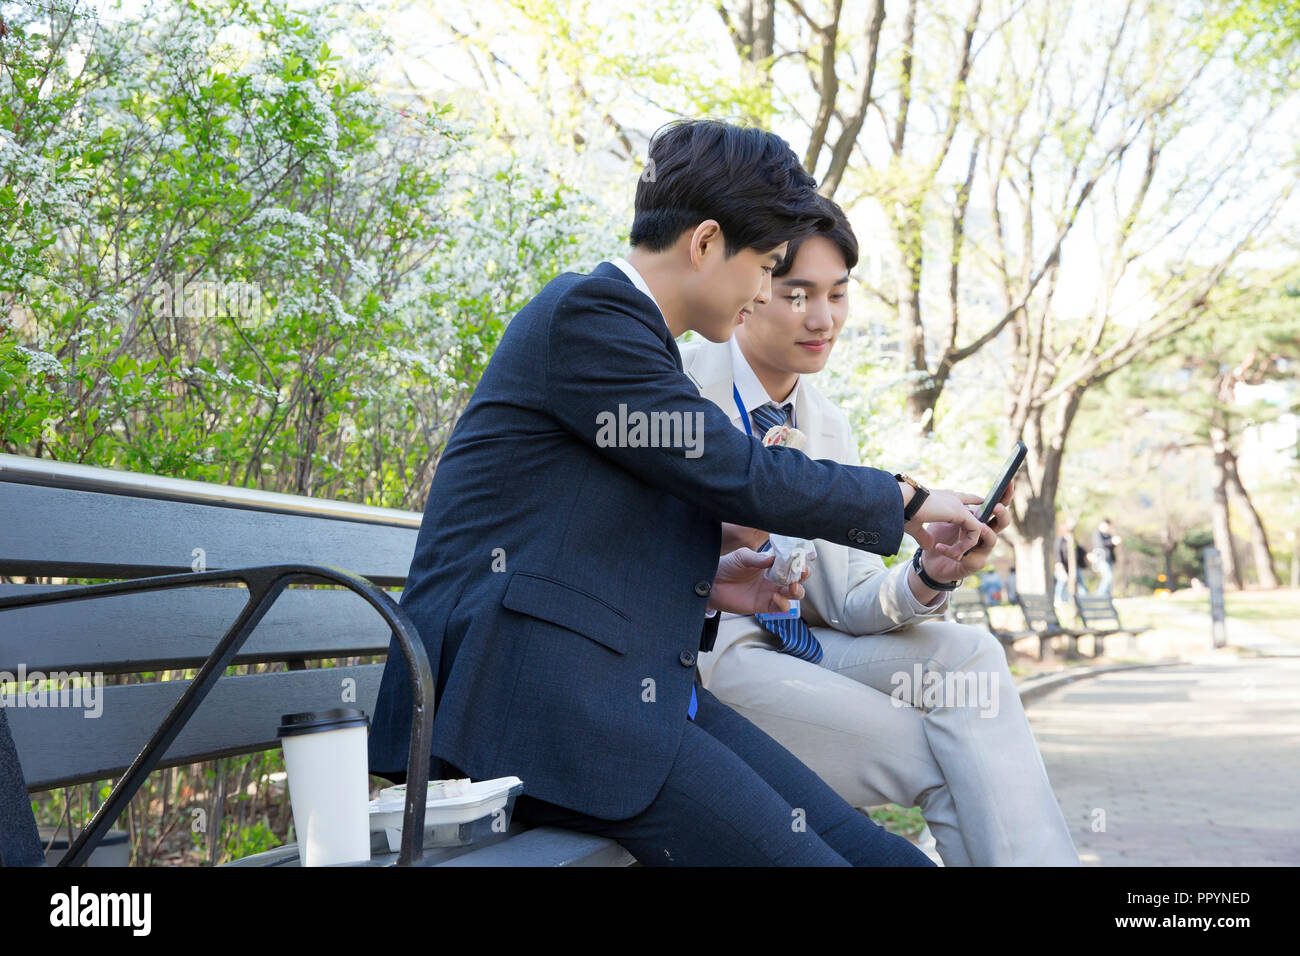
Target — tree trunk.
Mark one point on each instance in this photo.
(1264, 567)
(754, 33)
(920, 394)
(1219, 515)
(1035, 540)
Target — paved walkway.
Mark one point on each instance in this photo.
(1191, 764)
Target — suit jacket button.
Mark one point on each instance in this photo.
(853, 534)
(687, 658)
(703, 588)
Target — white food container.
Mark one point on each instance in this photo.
(456, 812)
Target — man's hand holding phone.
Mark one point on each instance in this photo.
(946, 508)
(942, 566)
(957, 545)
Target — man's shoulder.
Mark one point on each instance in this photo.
(707, 363)
(831, 410)
(605, 279)
(829, 414)
(699, 350)
(606, 290)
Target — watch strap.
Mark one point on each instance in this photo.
(920, 493)
(928, 581)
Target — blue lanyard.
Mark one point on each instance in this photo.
(744, 415)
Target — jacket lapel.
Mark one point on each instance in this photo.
(823, 438)
(710, 370)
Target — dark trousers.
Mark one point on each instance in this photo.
(735, 797)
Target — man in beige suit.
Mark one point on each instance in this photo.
(890, 704)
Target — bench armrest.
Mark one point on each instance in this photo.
(265, 584)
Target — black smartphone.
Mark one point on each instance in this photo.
(1008, 472)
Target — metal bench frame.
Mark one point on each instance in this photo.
(265, 585)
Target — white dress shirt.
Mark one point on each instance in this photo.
(629, 270)
(752, 392)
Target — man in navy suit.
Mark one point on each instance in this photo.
(569, 557)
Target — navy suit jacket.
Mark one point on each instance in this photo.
(560, 581)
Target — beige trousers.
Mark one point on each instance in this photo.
(925, 716)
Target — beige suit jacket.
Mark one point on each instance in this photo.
(849, 590)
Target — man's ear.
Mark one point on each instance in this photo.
(706, 241)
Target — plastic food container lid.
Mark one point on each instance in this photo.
(477, 799)
(319, 721)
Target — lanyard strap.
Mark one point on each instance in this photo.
(744, 415)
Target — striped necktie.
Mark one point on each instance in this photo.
(768, 415)
(794, 634)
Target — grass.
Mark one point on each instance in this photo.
(1277, 612)
(907, 822)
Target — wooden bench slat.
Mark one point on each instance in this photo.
(61, 746)
(175, 629)
(72, 533)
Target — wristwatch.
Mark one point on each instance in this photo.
(918, 499)
(928, 581)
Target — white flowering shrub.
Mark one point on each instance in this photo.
(225, 256)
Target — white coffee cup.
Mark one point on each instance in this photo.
(325, 758)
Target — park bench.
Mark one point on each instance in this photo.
(967, 606)
(1040, 617)
(1097, 613)
(173, 551)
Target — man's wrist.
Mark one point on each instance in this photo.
(923, 599)
(907, 491)
(911, 502)
(918, 566)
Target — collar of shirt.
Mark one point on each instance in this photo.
(630, 271)
(752, 393)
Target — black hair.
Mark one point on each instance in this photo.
(746, 178)
(840, 233)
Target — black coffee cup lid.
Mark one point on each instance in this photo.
(319, 721)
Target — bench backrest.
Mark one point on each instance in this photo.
(1097, 611)
(70, 521)
(1039, 611)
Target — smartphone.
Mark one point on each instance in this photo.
(1008, 472)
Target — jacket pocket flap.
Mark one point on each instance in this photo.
(568, 607)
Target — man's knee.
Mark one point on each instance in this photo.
(963, 647)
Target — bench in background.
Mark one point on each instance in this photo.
(1097, 613)
(966, 606)
(1040, 616)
